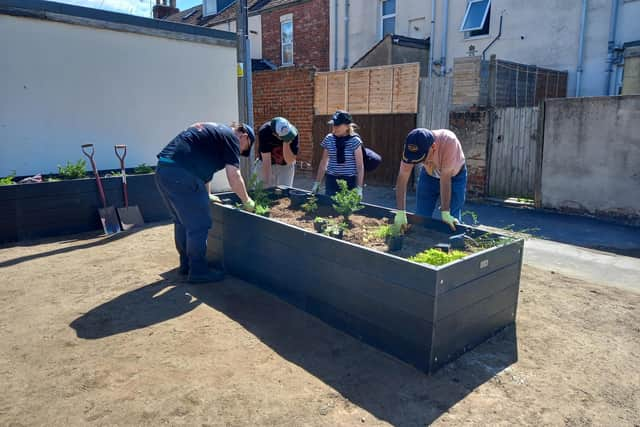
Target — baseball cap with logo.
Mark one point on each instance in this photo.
(341, 117)
(283, 129)
(417, 145)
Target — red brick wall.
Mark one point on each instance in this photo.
(288, 93)
(310, 34)
(472, 129)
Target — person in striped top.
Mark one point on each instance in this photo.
(342, 157)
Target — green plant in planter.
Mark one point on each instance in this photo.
(262, 210)
(142, 168)
(346, 201)
(8, 180)
(437, 257)
(311, 206)
(115, 174)
(335, 229)
(257, 191)
(73, 170)
(389, 230)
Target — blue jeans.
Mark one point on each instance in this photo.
(429, 191)
(187, 199)
(331, 183)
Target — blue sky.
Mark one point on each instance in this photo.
(134, 7)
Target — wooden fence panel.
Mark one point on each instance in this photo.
(320, 94)
(358, 97)
(385, 134)
(336, 91)
(380, 90)
(512, 168)
(435, 102)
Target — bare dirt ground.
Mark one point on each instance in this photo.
(101, 331)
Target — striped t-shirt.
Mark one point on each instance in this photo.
(348, 168)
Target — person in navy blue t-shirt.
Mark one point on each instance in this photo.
(185, 165)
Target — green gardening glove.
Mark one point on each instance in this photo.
(249, 205)
(400, 219)
(214, 198)
(449, 220)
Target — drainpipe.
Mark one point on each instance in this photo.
(336, 29)
(432, 35)
(346, 34)
(445, 28)
(613, 25)
(494, 40)
(583, 25)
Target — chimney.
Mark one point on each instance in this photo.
(164, 8)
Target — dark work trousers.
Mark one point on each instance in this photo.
(331, 183)
(187, 198)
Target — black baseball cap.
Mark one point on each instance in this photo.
(341, 117)
(252, 138)
(417, 145)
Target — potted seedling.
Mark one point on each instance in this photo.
(298, 198)
(311, 205)
(320, 224)
(335, 229)
(393, 235)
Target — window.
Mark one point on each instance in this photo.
(476, 18)
(212, 7)
(387, 17)
(286, 39)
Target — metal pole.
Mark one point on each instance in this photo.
(432, 36)
(242, 27)
(583, 24)
(445, 29)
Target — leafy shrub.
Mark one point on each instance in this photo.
(8, 180)
(311, 206)
(142, 168)
(73, 170)
(346, 201)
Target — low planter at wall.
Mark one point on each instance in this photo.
(423, 315)
(64, 207)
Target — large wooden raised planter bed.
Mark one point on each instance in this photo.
(65, 207)
(423, 315)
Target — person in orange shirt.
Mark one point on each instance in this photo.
(444, 175)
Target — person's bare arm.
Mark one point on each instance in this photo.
(360, 166)
(322, 168)
(289, 157)
(404, 173)
(445, 192)
(236, 182)
(266, 169)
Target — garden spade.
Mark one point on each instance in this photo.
(130, 216)
(108, 215)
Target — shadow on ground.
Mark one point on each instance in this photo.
(96, 239)
(380, 384)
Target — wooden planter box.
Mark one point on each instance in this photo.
(423, 315)
(64, 207)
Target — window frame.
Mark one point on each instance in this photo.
(388, 16)
(286, 19)
(466, 15)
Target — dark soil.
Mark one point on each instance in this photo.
(363, 230)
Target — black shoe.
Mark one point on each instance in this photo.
(208, 277)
